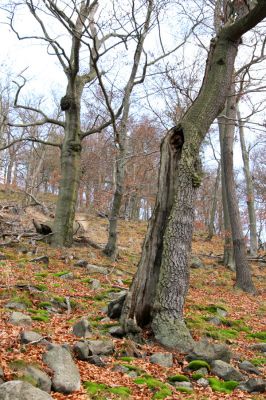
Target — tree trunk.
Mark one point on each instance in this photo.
(163, 267)
(214, 203)
(243, 274)
(229, 259)
(250, 189)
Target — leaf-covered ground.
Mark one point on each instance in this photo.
(210, 288)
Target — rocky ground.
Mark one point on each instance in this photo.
(58, 342)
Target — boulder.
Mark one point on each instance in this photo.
(203, 382)
(14, 305)
(95, 284)
(204, 350)
(259, 347)
(249, 367)
(115, 307)
(42, 259)
(19, 390)
(163, 359)
(42, 380)
(196, 263)
(96, 360)
(69, 275)
(66, 378)
(30, 336)
(81, 263)
(82, 328)
(20, 319)
(256, 385)
(95, 269)
(183, 384)
(116, 331)
(225, 371)
(82, 350)
(101, 347)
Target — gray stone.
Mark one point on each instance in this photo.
(209, 352)
(42, 380)
(196, 263)
(163, 359)
(69, 275)
(81, 263)
(116, 331)
(96, 360)
(120, 368)
(1, 373)
(215, 321)
(19, 390)
(106, 319)
(101, 347)
(253, 385)
(82, 350)
(95, 284)
(66, 378)
(95, 269)
(259, 347)
(222, 313)
(226, 371)
(249, 367)
(203, 371)
(29, 336)
(15, 305)
(82, 328)
(133, 374)
(184, 384)
(42, 259)
(203, 382)
(20, 319)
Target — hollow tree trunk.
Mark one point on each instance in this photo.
(243, 274)
(214, 203)
(249, 188)
(228, 258)
(164, 262)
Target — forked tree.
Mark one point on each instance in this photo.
(158, 291)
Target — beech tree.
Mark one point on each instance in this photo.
(158, 291)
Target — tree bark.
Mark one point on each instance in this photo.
(243, 274)
(163, 268)
(249, 188)
(228, 258)
(214, 203)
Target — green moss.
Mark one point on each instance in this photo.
(220, 386)
(121, 391)
(197, 364)
(127, 281)
(44, 304)
(42, 287)
(59, 299)
(94, 387)
(29, 379)
(151, 382)
(162, 393)
(128, 359)
(184, 390)
(56, 284)
(178, 378)
(258, 335)
(23, 298)
(221, 334)
(18, 365)
(60, 273)
(41, 274)
(238, 324)
(39, 315)
(197, 376)
(258, 361)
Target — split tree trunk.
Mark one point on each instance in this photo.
(214, 203)
(250, 190)
(243, 274)
(163, 268)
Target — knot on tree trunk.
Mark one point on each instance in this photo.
(66, 103)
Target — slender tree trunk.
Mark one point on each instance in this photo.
(214, 202)
(250, 189)
(243, 274)
(229, 259)
(163, 268)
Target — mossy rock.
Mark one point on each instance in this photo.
(197, 376)
(221, 386)
(121, 391)
(178, 378)
(151, 382)
(197, 364)
(45, 304)
(101, 391)
(184, 390)
(162, 393)
(258, 335)
(221, 334)
(40, 315)
(23, 298)
(41, 274)
(258, 361)
(60, 273)
(42, 287)
(127, 359)
(94, 388)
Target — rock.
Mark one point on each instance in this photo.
(131, 349)
(1, 373)
(82, 350)
(196, 263)
(203, 382)
(42, 380)
(183, 384)
(19, 390)
(222, 313)
(96, 360)
(259, 347)
(20, 319)
(82, 328)
(81, 263)
(3, 257)
(115, 307)
(132, 374)
(215, 321)
(225, 371)
(69, 275)
(42, 259)
(15, 305)
(163, 359)
(256, 385)
(95, 269)
(95, 284)
(31, 336)
(106, 320)
(116, 331)
(66, 378)
(204, 350)
(101, 347)
(249, 367)
(120, 368)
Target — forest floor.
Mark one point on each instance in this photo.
(210, 287)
